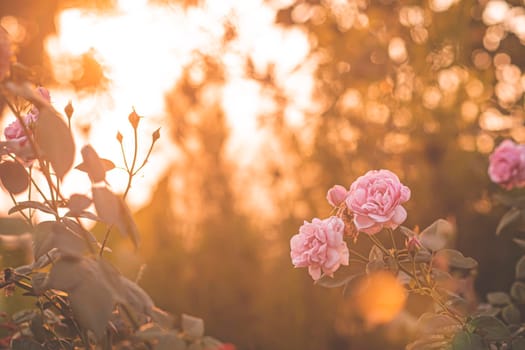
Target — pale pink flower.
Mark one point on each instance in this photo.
(375, 201)
(5, 54)
(336, 195)
(319, 245)
(507, 165)
(16, 138)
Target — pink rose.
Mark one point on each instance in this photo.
(16, 137)
(336, 195)
(319, 245)
(507, 165)
(375, 201)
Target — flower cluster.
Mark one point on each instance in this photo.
(507, 165)
(373, 202)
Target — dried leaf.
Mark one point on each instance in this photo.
(14, 177)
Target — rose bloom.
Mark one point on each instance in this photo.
(507, 165)
(375, 201)
(319, 245)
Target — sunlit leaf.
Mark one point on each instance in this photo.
(52, 234)
(436, 236)
(93, 165)
(106, 163)
(78, 202)
(192, 326)
(498, 298)
(54, 139)
(508, 219)
(343, 276)
(430, 342)
(14, 177)
(31, 204)
(161, 317)
(511, 314)
(455, 259)
(91, 294)
(113, 211)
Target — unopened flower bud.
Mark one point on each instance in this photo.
(413, 244)
(68, 109)
(119, 137)
(156, 135)
(134, 119)
(336, 195)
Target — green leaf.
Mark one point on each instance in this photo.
(113, 211)
(92, 164)
(436, 236)
(467, 341)
(150, 331)
(490, 328)
(498, 298)
(14, 177)
(508, 219)
(511, 314)
(429, 323)
(78, 202)
(342, 277)
(136, 297)
(90, 291)
(106, 163)
(192, 326)
(54, 140)
(455, 259)
(517, 291)
(31, 204)
(431, 342)
(520, 268)
(510, 201)
(52, 234)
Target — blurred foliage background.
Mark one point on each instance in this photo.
(423, 88)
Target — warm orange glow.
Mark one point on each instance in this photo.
(143, 48)
(379, 298)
